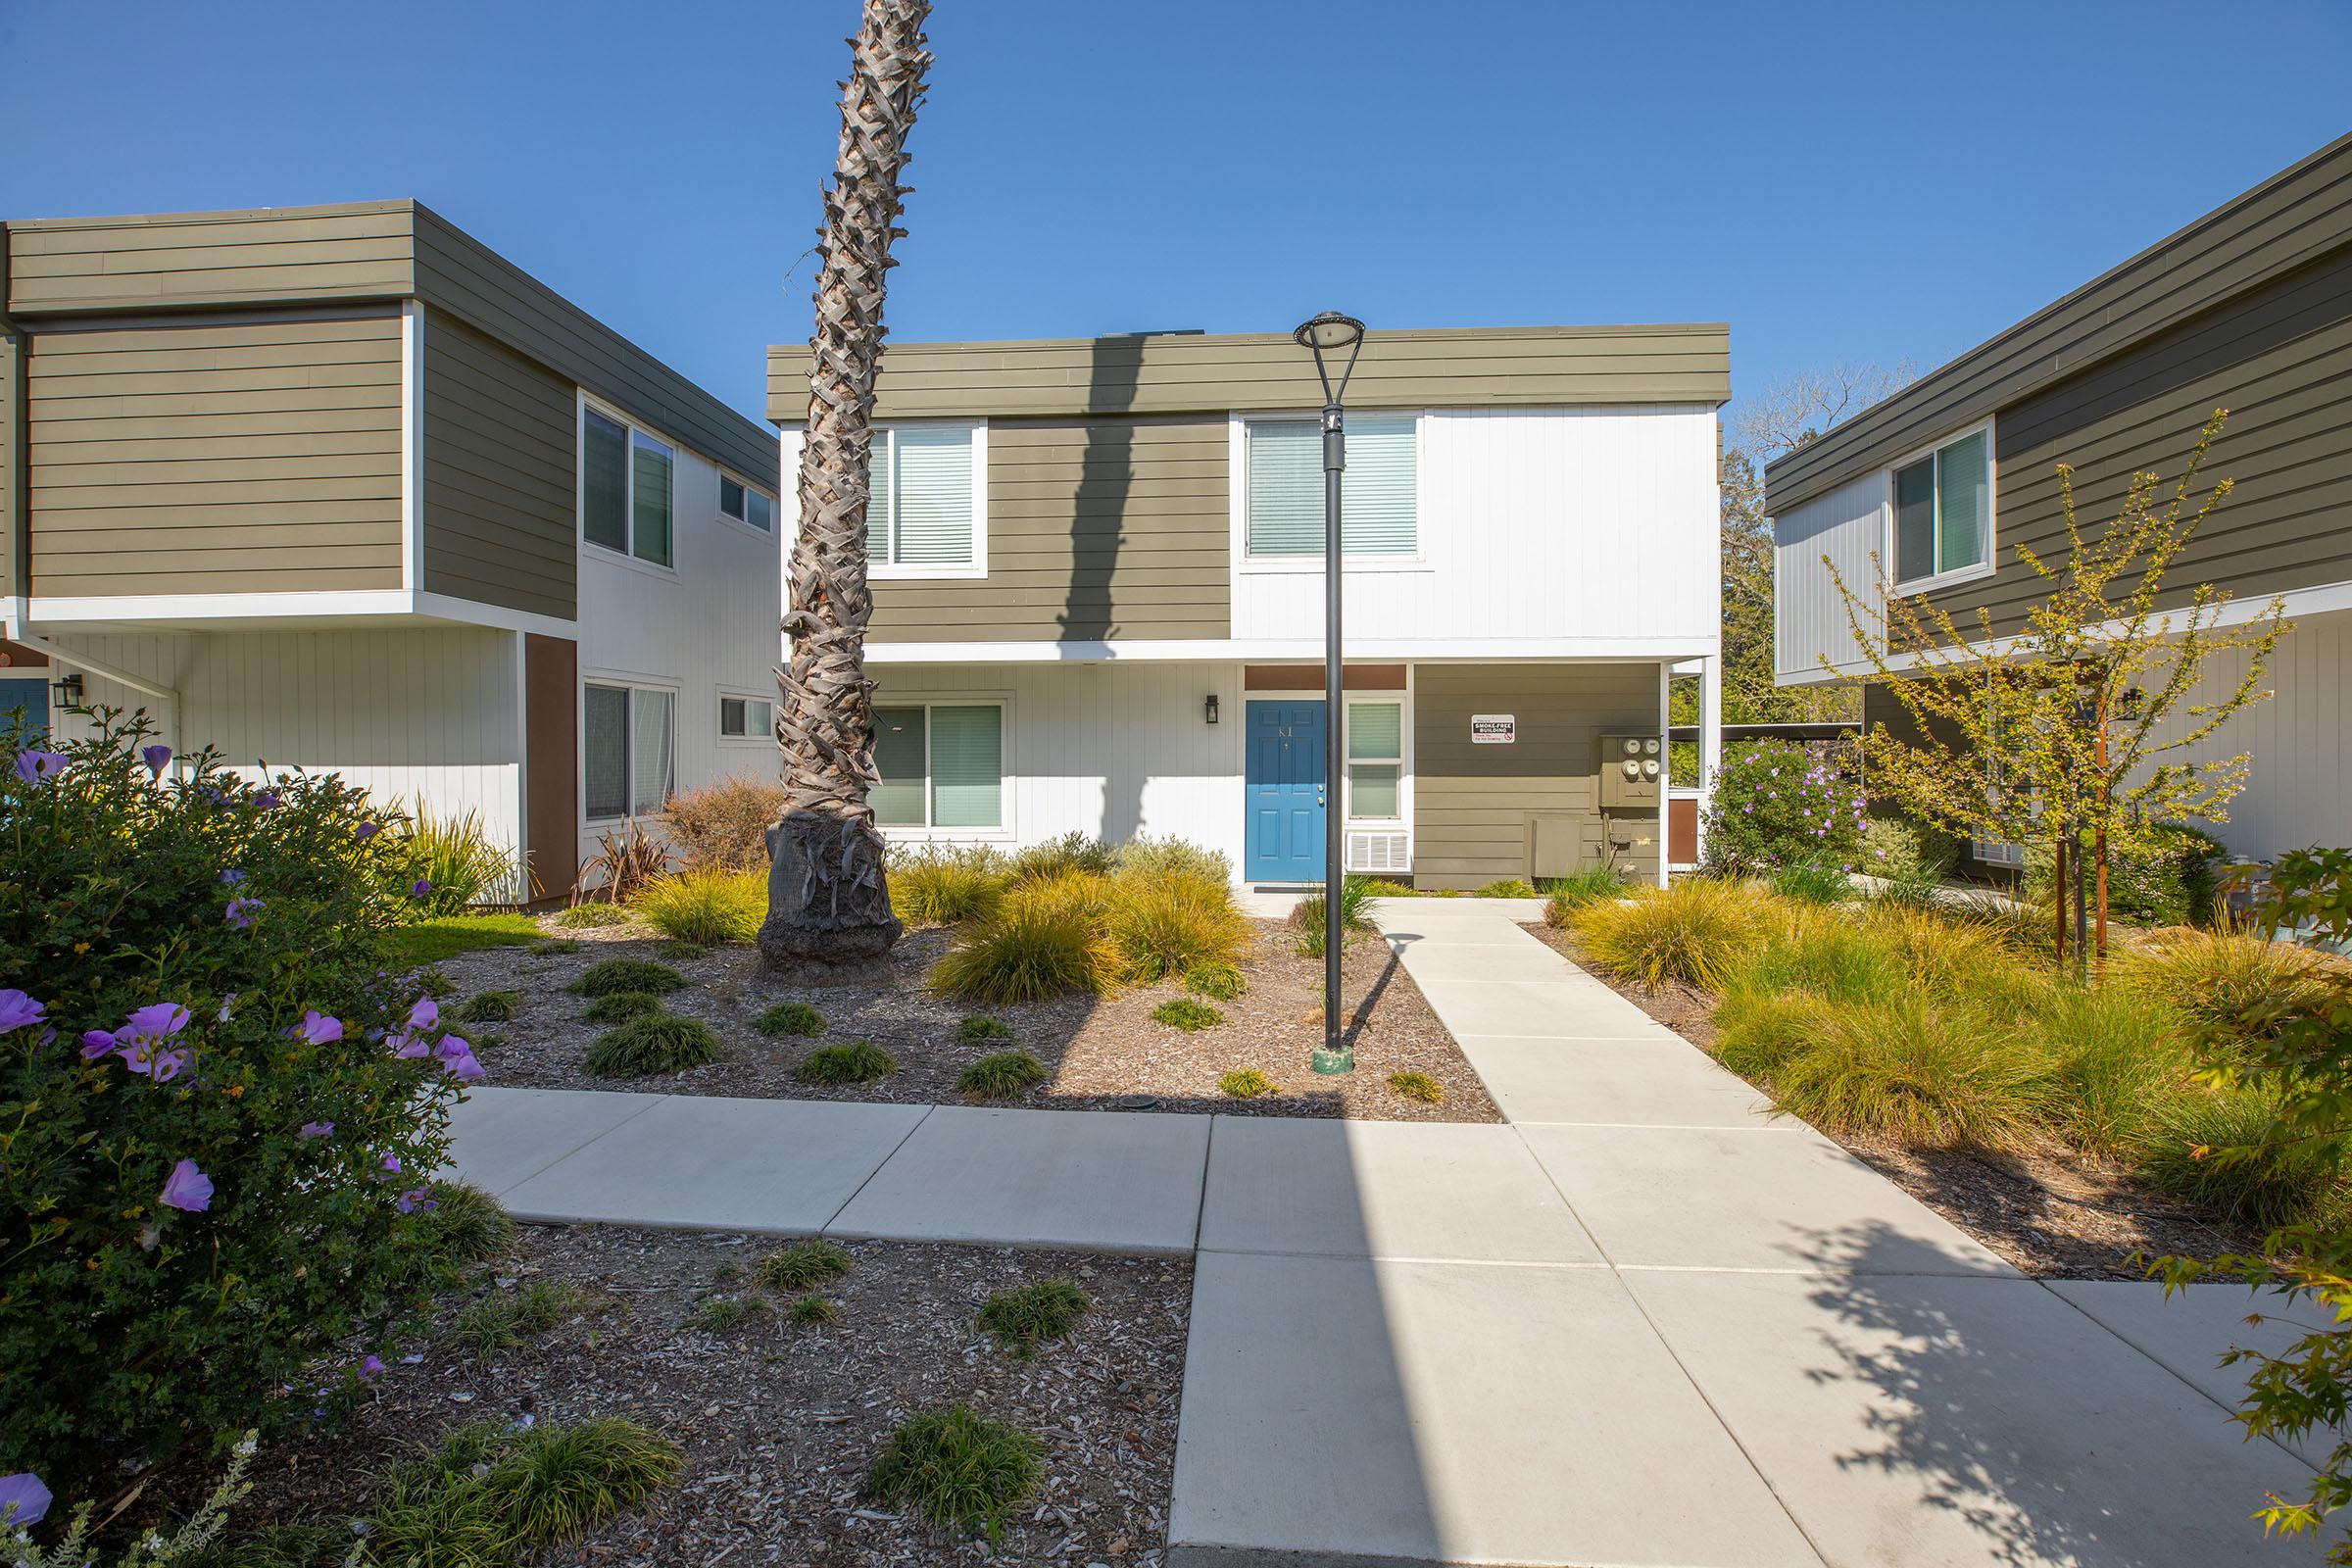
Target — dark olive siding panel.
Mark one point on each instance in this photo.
(223, 457)
(1097, 529)
(499, 475)
(12, 451)
(457, 274)
(190, 260)
(2279, 359)
(2288, 222)
(1185, 373)
(1474, 806)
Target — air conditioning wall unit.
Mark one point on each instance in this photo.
(1383, 851)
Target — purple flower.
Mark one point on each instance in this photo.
(188, 1189)
(157, 758)
(168, 1065)
(371, 1369)
(367, 830)
(232, 877)
(240, 913)
(159, 1020)
(464, 1068)
(424, 1013)
(267, 801)
(35, 764)
(96, 1043)
(421, 888)
(410, 1046)
(317, 1028)
(24, 1500)
(453, 1046)
(16, 1009)
(317, 1129)
(408, 1201)
(391, 1165)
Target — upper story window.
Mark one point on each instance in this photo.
(928, 516)
(1943, 513)
(753, 509)
(627, 480)
(1379, 493)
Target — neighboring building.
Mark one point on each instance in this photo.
(337, 488)
(1098, 593)
(2249, 308)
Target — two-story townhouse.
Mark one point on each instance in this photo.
(339, 488)
(1098, 608)
(2249, 308)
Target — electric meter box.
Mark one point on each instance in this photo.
(1633, 772)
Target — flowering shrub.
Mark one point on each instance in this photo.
(1776, 806)
(217, 1111)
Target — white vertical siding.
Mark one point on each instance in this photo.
(1584, 523)
(1809, 618)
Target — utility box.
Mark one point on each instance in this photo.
(1633, 772)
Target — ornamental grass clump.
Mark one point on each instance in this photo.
(1165, 922)
(804, 1265)
(1216, 980)
(468, 1224)
(1418, 1087)
(1564, 896)
(496, 1494)
(1921, 1075)
(1028, 1315)
(626, 974)
(588, 916)
(946, 884)
(2236, 986)
(792, 1018)
(707, 909)
(1072, 854)
(1247, 1083)
(620, 1006)
(1188, 1014)
(860, 1061)
(656, 1042)
(491, 1007)
(1046, 939)
(218, 1112)
(1004, 1075)
(1508, 887)
(1356, 915)
(959, 1470)
(1694, 931)
(980, 1029)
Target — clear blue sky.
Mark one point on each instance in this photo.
(1841, 182)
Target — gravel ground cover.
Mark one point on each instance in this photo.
(780, 1421)
(1099, 1053)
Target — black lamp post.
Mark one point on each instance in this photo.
(1331, 333)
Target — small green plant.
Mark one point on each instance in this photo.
(1418, 1086)
(705, 908)
(1028, 1315)
(626, 974)
(724, 1314)
(1216, 979)
(492, 1006)
(1247, 1083)
(794, 1018)
(433, 983)
(860, 1061)
(1568, 893)
(500, 1322)
(495, 1495)
(195, 1542)
(979, 1029)
(1383, 887)
(1187, 1014)
(1356, 915)
(804, 1265)
(657, 1043)
(812, 1311)
(468, 1224)
(487, 1326)
(457, 860)
(942, 884)
(1510, 887)
(960, 1470)
(1148, 857)
(1072, 852)
(551, 947)
(620, 1006)
(1811, 882)
(543, 1303)
(1004, 1075)
(588, 916)
(680, 951)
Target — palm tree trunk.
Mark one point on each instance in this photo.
(827, 901)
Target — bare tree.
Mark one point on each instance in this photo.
(1798, 410)
(827, 897)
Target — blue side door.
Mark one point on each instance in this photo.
(1282, 786)
(25, 696)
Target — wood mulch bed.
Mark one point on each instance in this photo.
(2052, 1211)
(779, 1423)
(1100, 1052)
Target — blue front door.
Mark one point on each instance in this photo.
(26, 696)
(1283, 790)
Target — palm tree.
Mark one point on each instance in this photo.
(827, 902)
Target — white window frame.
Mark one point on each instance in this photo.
(615, 680)
(1006, 774)
(628, 497)
(744, 525)
(735, 693)
(1403, 818)
(1958, 574)
(977, 566)
(1238, 467)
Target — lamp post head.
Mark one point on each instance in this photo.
(1330, 333)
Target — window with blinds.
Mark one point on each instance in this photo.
(923, 510)
(1375, 760)
(1379, 490)
(1943, 512)
(630, 751)
(628, 484)
(942, 766)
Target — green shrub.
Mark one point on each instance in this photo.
(467, 1225)
(1812, 883)
(2233, 985)
(1028, 1315)
(1356, 915)
(656, 1042)
(1216, 980)
(1759, 1030)
(1823, 951)
(1417, 1086)
(1694, 931)
(588, 916)
(979, 1029)
(723, 827)
(1774, 805)
(1247, 1083)
(860, 1061)
(1163, 923)
(1510, 887)
(2266, 1179)
(1568, 893)
(1045, 940)
(620, 1006)
(1951, 953)
(549, 947)
(196, 1541)
(705, 907)
(2173, 882)
(626, 974)
(961, 1471)
(1001, 1076)
(496, 1494)
(1918, 1074)
(492, 1006)
(792, 1018)
(942, 884)
(456, 860)
(186, 1248)
(680, 951)
(2121, 1061)
(804, 1265)
(1073, 851)
(1187, 1014)
(1150, 856)
(812, 1311)
(1900, 850)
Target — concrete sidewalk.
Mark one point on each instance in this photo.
(1641, 1323)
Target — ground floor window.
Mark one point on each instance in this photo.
(746, 718)
(631, 763)
(942, 766)
(1375, 760)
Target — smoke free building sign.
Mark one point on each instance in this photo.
(1493, 729)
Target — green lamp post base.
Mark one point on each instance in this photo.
(1334, 1061)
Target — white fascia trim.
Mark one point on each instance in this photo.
(447, 606)
(412, 444)
(1425, 649)
(2321, 600)
(371, 603)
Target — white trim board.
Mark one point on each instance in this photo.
(77, 613)
(1591, 650)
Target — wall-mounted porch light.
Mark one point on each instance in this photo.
(1209, 708)
(67, 689)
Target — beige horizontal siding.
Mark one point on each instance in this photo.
(227, 458)
(186, 260)
(499, 475)
(1097, 529)
(1172, 373)
(1474, 806)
